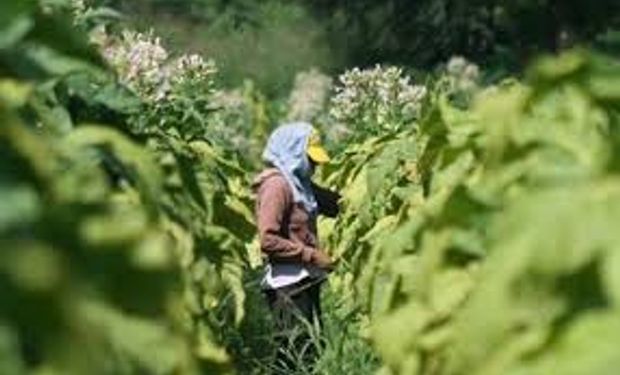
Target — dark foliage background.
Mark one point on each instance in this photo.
(269, 40)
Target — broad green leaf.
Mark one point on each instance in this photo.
(554, 68)
(395, 341)
(587, 346)
(15, 20)
(20, 205)
(14, 94)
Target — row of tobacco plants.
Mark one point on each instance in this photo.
(123, 221)
(480, 231)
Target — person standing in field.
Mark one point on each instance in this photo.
(287, 206)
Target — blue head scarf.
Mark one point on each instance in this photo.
(286, 150)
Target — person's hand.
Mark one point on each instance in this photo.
(323, 261)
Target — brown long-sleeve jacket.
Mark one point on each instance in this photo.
(287, 232)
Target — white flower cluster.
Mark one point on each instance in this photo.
(139, 59)
(231, 123)
(192, 67)
(463, 74)
(144, 65)
(229, 100)
(375, 99)
(78, 6)
(308, 96)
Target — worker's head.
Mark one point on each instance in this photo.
(296, 147)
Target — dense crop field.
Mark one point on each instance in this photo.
(477, 233)
(482, 241)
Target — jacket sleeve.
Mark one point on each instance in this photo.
(273, 202)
